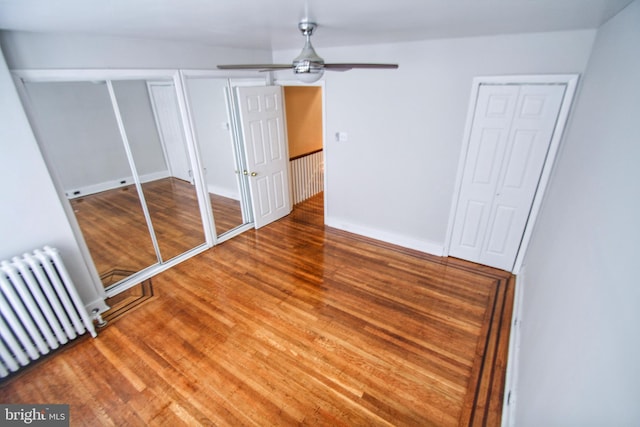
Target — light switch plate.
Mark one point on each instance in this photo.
(342, 137)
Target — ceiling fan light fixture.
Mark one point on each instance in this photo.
(308, 70)
(311, 75)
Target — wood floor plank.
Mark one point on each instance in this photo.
(294, 324)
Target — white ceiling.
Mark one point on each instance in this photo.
(272, 24)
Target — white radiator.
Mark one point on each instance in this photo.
(40, 309)
(307, 176)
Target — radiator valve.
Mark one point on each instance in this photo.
(97, 318)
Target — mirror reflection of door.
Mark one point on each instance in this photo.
(154, 131)
(131, 211)
(166, 111)
(214, 129)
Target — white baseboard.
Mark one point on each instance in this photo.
(432, 248)
(154, 176)
(116, 183)
(224, 192)
(511, 380)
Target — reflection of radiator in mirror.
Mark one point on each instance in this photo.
(307, 176)
(40, 309)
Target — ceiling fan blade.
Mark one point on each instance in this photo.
(346, 67)
(255, 67)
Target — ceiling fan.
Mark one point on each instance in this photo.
(308, 66)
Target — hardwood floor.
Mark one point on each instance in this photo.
(294, 324)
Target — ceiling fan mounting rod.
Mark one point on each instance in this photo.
(307, 28)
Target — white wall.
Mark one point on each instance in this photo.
(79, 135)
(140, 126)
(32, 215)
(41, 50)
(394, 178)
(579, 359)
(213, 133)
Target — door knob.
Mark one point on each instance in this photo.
(254, 173)
(244, 172)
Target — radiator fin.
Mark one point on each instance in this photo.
(40, 309)
(307, 176)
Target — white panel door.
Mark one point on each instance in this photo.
(264, 135)
(167, 114)
(510, 136)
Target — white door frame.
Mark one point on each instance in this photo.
(568, 80)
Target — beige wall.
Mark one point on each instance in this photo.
(304, 119)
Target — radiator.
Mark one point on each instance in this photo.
(307, 174)
(40, 309)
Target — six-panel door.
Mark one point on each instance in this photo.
(264, 134)
(509, 140)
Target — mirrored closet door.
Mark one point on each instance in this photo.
(118, 150)
(152, 167)
(214, 122)
(154, 131)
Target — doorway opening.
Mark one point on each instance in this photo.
(304, 113)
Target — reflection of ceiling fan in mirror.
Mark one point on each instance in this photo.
(308, 66)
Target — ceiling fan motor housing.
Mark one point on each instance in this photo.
(308, 66)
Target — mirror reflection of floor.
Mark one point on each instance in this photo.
(114, 228)
(227, 213)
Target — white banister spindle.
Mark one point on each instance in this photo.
(307, 176)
